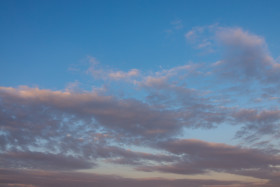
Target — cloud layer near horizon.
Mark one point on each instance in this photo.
(70, 130)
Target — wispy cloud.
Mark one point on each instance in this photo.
(41, 178)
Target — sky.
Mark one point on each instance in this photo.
(139, 93)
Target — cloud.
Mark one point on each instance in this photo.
(245, 72)
(65, 111)
(178, 24)
(202, 38)
(81, 126)
(74, 129)
(46, 161)
(257, 123)
(69, 179)
(124, 75)
(175, 26)
(123, 116)
(122, 156)
(255, 116)
(99, 72)
(201, 157)
(190, 34)
(246, 56)
(270, 174)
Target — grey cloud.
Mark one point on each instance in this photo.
(76, 123)
(125, 116)
(74, 179)
(255, 116)
(39, 160)
(246, 57)
(200, 157)
(271, 174)
(194, 107)
(112, 151)
(257, 123)
(87, 123)
(59, 114)
(245, 73)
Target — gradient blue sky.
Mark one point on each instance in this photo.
(174, 93)
(51, 36)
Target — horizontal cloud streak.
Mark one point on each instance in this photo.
(46, 161)
(199, 157)
(69, 179)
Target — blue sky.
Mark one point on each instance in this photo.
(53, 35)
(180, 93)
